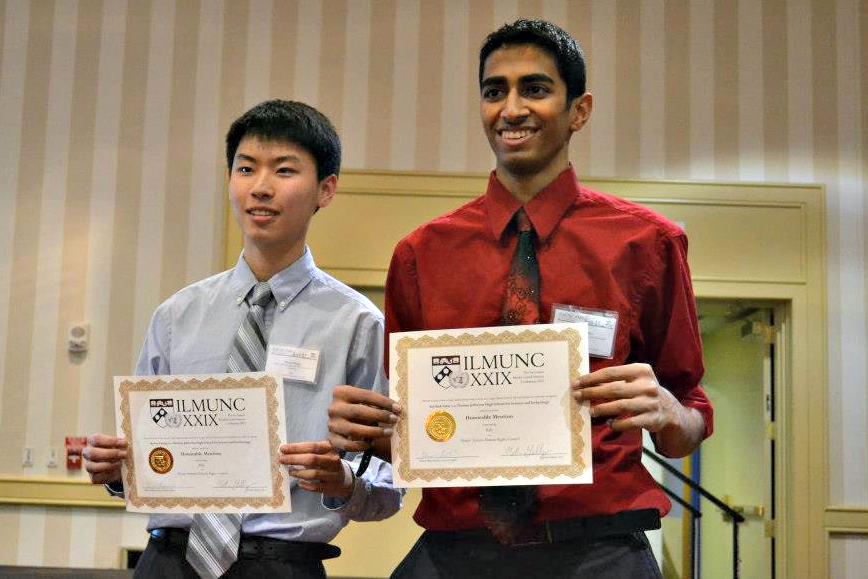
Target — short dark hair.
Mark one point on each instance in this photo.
(289, 122)
(554, 40)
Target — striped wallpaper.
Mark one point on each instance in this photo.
(112, 114)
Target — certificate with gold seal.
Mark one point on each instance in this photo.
(206, 443)
(490, 406)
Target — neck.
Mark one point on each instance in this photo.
(525, 186)
(265, 262)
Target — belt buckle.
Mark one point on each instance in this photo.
(541, 536)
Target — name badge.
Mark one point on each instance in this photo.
(292, 363)
(602, 327)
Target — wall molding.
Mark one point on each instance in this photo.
(846, 520)
(56, 492)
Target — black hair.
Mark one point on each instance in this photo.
(289, 122)
(554, 40)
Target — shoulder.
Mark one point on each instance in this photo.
(629, 224)
(629, 214)
(468, 219)
(338, 296)
(194, 295)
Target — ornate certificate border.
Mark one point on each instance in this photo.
(230, 381)
(573, 339)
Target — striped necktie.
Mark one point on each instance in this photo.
(507, 510)
(214, 537)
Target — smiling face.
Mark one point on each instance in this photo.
(274, 191)
(525, 113)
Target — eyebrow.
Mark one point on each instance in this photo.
(285, 158)
(276, 160)
(526, 79)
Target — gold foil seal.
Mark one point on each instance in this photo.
(440, 426)
(161, 460)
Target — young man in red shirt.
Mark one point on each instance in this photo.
(592, 251)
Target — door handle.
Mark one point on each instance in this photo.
(752, 511)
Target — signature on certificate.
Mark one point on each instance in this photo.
(233, 484)
(444, 455)
(538, 449)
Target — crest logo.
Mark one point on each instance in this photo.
(447, 373)
(160, 409)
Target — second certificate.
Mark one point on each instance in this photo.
(490, 406)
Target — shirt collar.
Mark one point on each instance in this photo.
(285, 284)
(544, 210)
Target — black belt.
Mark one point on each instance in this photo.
(584, 528)
(254, 547)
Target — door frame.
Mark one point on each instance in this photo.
(777, 355)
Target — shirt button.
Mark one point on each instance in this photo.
(283, 305)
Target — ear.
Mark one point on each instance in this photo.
(581, 111)
(327, 189)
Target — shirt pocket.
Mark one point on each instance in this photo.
(200, 363)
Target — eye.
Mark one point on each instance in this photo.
(537, 90)
(492, 93)
(286, 171)
(244, 169)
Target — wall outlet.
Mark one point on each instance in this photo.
(52, 458)
(27, 458)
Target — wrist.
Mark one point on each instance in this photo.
(673, 412)
(115, 488)
(383, 448)
(683, 436)
(340, 494)
(349, 481)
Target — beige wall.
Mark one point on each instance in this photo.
(112, 113)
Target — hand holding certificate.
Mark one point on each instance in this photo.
(490, 406)
(203, 443)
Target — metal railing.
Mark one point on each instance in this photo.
(736, 517)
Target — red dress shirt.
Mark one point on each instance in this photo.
(594, 251)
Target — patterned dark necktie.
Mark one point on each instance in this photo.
(507, 510)
(214, 537)
(521, 303)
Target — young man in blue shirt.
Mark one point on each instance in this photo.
(283, 159)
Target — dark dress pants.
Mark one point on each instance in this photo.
(165, 561)
(459, 555)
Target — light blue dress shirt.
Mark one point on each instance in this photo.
(192, 333)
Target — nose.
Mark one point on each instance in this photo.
(514, 109)
(262, 188)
